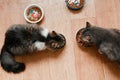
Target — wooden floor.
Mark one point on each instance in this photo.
(71, 63)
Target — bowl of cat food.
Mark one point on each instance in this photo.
(33, 13)
(78, 37)
(60, 43)
(75, 4)
(82, 41)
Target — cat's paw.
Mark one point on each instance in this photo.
(15, 68)
(18, 67)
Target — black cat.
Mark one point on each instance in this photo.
(21, 39)
(106, 40)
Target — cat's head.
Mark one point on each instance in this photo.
(85, 36)
(55, 41)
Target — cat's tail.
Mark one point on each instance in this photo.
(9, 64)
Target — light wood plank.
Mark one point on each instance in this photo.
(72, 62)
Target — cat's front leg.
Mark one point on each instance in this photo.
(109, 50)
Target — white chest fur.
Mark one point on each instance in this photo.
(45, 32)
(39, 45)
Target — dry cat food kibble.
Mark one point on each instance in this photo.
(34, 14)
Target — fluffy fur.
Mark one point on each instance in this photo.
(106, 40)
(22, 39)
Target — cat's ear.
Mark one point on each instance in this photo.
(88, 25)
(54, 33)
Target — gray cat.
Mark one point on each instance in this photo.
(22, 39)
(106, 40)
